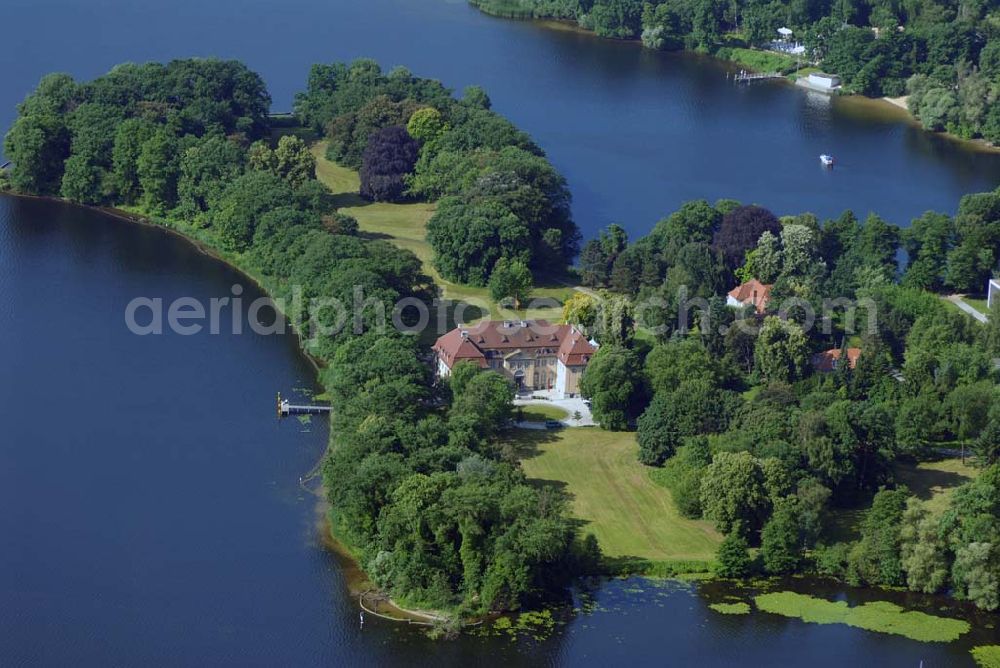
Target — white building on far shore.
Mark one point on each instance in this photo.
(992, 291)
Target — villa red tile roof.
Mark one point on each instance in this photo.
(829, 359)
(472, 343)
(753, 292)
(575, 349)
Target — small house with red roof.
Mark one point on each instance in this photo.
(829, 360)
(752, 293)
(534, 354)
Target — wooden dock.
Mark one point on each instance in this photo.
(286, 408)
(744, 77)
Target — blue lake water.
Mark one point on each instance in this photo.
(151, 505)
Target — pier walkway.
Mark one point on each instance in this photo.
(286, 408)
(749, 77)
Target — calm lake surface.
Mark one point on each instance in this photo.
(151, 505)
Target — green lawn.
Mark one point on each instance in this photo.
(930, 481)
(541, 413)
(977, 303)
(613, 494)
(804, 72)
(757, 60)
(406, 226)
(934, 482)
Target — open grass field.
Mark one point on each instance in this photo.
(757, 60)
(613, 495)
(406, 226)
(932, 482)
(978, 303)
(935, 481)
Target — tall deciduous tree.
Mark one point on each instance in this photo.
(581, 310)
(243, 202)
(469, 238)
(733, 558)
(206, 168)
(290, 160)
(780, 540)
(923, 549)
(391, 155)
(613, 383)
(740, 231)
(426, 124)
(129, 139)
(511, 279)
(876, 559)
(158, 168)
(782, 351)
(658, 433)
(615, 322)
(733, 495)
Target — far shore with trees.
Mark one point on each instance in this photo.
(945, 56)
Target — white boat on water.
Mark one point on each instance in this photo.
(827, 160)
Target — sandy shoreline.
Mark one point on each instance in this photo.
(899, 102)
(976, 144)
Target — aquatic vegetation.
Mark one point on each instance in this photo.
(741, 608)
(987, 656)
(693, 577)
(536, 624)
(879, 616)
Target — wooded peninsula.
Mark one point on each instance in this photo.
(786, 438)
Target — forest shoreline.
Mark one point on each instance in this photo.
(356, 579)
(886, 102)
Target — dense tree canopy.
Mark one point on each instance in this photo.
(410, 137)
(756, 421)
(613, 383)
(71, 138)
